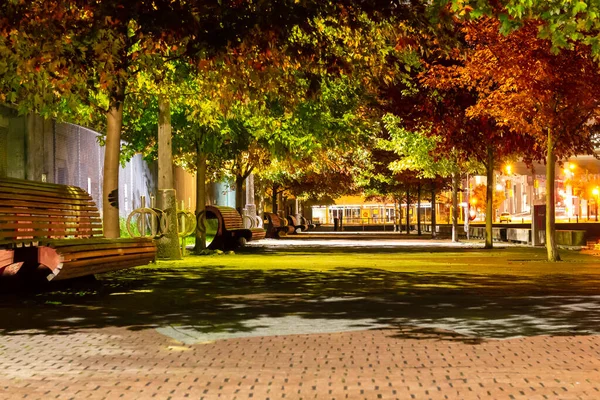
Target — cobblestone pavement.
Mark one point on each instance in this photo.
(242, 333)
(115, 363)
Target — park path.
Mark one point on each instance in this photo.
(113, 363)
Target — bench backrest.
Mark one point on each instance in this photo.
(273, 220)
(292, 220)
(30, 211)
(231, 218)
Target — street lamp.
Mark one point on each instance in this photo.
(596, 192)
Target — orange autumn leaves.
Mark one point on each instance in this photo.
(523, 86)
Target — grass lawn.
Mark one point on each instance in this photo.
(526, 261)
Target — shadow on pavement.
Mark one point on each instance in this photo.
(214, 299)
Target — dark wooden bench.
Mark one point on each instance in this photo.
(307, 223)
(56, 230)
(276, 228)
(231, 233)
(258, 232)
(297, 225)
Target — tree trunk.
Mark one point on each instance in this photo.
(168, 245)
(239, 193)
(397, 216)
(281, 204)
(165, 147)
(274, 199)
(551, 246)
(419, 209)
(433, 212)
(408, 211)
(455, 184)
(489, 199)
(200, 199)
(110, 183)
(250, 205)
(259, 195)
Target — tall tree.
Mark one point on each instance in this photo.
(89, 52)
(416, 152)
(532, 91)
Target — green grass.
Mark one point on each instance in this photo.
(516, 260)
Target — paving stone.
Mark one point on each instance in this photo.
(370, 364)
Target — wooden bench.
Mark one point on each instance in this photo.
(307, 223)
(276, 228)
(258, 233)
(231, 233)
(254, 224)
(297, 225)
(56, 230)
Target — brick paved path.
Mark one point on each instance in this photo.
(115, 363)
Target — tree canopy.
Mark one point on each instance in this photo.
(320, 97)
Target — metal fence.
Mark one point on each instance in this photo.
(79, 161)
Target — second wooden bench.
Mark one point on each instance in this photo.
(231, 233)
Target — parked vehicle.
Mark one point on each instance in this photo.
(505, 217)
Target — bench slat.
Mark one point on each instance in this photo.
(40, 204)
(43, 233)
(52, 225)
(92, 245)
(42, 186)
(87, 263)
(54, 194)
(47, 218)
(14, 212)
(104, 253)
(70, 273)
(56, 243)
(72, 193)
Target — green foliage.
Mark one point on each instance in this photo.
(124, 230)
(416, 150)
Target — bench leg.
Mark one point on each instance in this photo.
(8, 266)
(50, 258)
